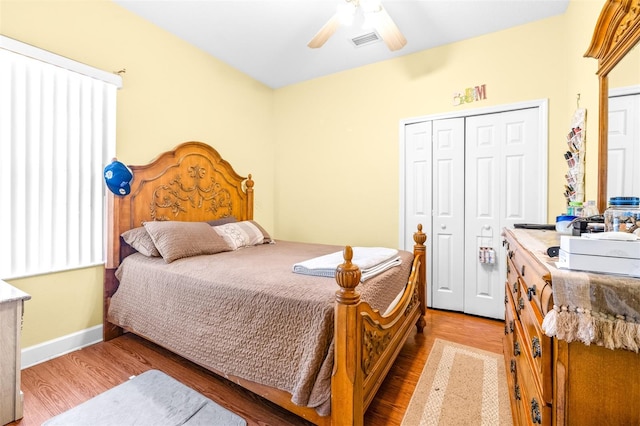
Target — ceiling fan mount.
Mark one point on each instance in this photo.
(375, 17)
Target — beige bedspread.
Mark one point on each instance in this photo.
(246, 314)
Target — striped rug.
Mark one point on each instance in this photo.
(460, 385)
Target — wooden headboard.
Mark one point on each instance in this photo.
(190, 183)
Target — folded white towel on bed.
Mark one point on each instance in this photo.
(372, 261)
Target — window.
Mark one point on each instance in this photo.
(57, 131)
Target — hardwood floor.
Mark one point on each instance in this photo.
(64, 382)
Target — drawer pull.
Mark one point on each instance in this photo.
(506, 329)
(516, 348)
(513, 365)
(521, 303)
(510, 254)
(536, 348)
(531, 291)
(522, 271)
(515, 287)
(506, 299)
(536, 414)
(516, 392)
(511, 326)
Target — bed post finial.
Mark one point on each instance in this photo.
(348, 277)
(249, 186)
(420, 251)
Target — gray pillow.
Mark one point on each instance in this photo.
(222, 221)
(176, 240)
(139, 239)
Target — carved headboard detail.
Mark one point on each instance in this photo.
(203, 192)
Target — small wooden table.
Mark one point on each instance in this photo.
(11, 309)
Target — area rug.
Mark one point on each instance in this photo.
(460, 385)
(149, 399)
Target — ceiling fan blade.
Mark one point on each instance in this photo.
(325, 32)
(388, 30)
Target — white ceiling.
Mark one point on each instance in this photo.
(267, 39)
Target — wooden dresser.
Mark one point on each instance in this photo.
(553, 382)
(11, 304)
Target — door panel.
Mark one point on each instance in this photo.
(448, 214)
(417, 187)
(501, 150)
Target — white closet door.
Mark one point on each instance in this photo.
(503, 173)
(623, 175)
(417, 186)
(447, 245)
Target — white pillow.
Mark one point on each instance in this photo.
(240, 234)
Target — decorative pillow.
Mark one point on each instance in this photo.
(175, 240)
(139, 239)
(222, 221)
(241, 234)
(265, 234)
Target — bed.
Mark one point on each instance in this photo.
(330, 341)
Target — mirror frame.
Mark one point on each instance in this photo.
(617, 31)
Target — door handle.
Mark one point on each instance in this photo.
(443, 226)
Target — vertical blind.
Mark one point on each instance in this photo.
(57, 130)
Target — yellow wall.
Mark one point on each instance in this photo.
(172, 92)
(324, 153)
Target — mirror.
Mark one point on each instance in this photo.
(623, 136)
(617, 32)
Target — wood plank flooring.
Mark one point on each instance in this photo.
(64, 382)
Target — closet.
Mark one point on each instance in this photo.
(465, 177)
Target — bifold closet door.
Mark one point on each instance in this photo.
(447, 235)
(502, 176)
(417, 188)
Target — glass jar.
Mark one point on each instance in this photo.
(574, 208)
(623, 214)
(590, 209)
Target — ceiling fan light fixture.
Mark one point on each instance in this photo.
(370, 6)
(346, 12)
(375, 17)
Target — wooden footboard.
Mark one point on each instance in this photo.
(367, 343)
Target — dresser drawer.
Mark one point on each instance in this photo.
(536, 345)
(535, 275)
(532, 408)
(512, 288)
(510, 318)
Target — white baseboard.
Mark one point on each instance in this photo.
(54, 348)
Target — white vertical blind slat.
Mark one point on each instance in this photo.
(56, 129)
(47, 129)
(6, 89)
(60, 137)
(74, 124)
(33, 167)
(18, 165)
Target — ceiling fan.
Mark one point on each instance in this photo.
(375, 16)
